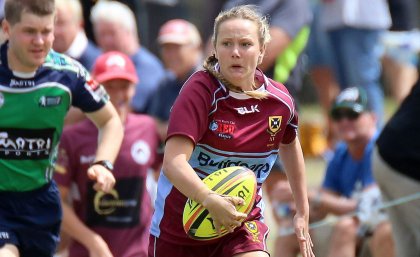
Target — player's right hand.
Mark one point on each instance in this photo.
(105, 180)
(223, 211)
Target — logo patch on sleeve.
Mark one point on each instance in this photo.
(96, 90)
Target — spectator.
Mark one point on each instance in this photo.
(157, 12)
(115, 29)
(181, 53)
(400, 59)
(354, 28)
(136, 6)
(396, 165)
(117, 223)
(320, 68)
(348, 184)
(70, 37)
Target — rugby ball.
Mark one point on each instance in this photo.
(232, 181)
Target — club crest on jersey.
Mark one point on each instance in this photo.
(141, 152)
(252, 227)
(274, 123)
(222, 128)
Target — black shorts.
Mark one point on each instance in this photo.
(31, 220)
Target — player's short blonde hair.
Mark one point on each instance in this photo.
(114, 12)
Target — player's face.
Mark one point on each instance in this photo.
(66, 29)
(237, 48)
(120, 92)
(111, 36)
(351, 128)
(30, 41)
(180, 59)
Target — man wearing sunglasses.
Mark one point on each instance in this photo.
(348, 186)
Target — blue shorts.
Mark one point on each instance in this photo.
(31, 220)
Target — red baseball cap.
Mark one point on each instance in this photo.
(180, 32)
(114, 65)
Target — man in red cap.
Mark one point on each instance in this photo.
(117, 223)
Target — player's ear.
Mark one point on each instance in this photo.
(5, 26)
(215, 54)
(262, 53)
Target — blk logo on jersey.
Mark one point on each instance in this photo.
(25, 144)
(274, 123)
(247, 110)
(222, 128)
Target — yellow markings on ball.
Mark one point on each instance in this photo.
(232, 181)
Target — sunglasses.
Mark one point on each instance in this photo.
(338, 115)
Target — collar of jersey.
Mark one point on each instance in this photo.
(259, 75)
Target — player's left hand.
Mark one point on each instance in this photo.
(105, 181)
(304, 238)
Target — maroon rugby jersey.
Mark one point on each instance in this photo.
(121, 217)
(228, 129)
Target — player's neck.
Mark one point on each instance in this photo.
(17, 66)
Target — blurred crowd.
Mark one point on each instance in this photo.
(352, 53)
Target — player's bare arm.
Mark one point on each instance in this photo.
(109, 141)
(292, 158)
(175, 164)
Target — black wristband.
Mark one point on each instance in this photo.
(107, 164)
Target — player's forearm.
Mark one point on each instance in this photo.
(75, 228)
(179, 172)
(110, 138)
(111, 132)
(292, 157)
